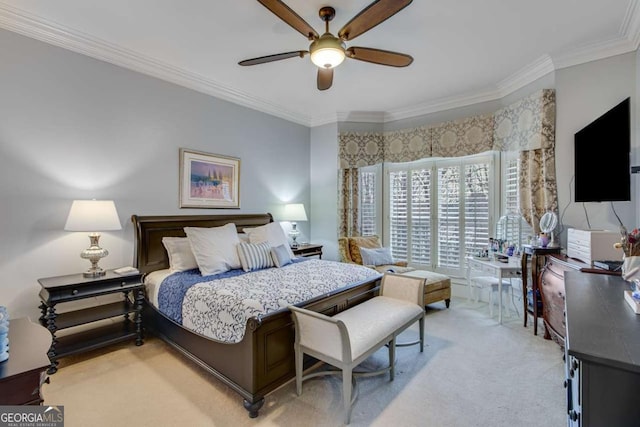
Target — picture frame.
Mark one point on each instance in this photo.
(209, 181)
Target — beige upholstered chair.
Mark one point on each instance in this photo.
(349, 337)
(349, 248)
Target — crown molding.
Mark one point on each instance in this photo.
(526, 75)
(443, 104)
(21, 22)
(593, 52)
(362, 116)
(630, 28)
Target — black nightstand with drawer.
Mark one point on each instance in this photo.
(62, 289)
(307, 250)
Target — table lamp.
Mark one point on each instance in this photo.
(93, 216)
(294, 212)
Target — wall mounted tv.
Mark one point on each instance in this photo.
(602, 157)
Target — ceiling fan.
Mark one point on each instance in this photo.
(328, 51)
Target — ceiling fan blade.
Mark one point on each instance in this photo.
(285, 13)
(325, 78)
(374, 14)
(271, 58)
(379, 56)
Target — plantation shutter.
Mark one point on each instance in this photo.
(398, 209)
(449, 217)
(420, 230)
(517, 231)
(368, 186)
(511, 199)
(476, 208)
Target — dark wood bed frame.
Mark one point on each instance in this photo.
(264, 359)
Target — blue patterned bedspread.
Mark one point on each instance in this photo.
(219, 306)
(174, 287)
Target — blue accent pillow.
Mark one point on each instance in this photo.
(376, 256)
(280, 255)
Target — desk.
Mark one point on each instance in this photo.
(500, 270)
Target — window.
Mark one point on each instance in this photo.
(439, 210)
(511, 226)
(370, 201)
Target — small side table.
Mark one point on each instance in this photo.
(22, 374)
(62, 289)
(308, 250)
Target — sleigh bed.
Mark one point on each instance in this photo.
(263, 359)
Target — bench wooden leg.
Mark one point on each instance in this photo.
(447, 302)
(421, 323)
(392, 359)
(346, 392)
(298, 360)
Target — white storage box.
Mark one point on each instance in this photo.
(593, 245)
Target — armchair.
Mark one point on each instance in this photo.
(349, 248)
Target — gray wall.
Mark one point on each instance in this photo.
(324, 189)
(583, 93)
(72, 127)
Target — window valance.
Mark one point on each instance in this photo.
(527, 124)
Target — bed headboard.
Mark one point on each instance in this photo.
(150, 254)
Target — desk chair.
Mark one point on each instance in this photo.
(482, 282)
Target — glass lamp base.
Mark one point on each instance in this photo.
(93, 273)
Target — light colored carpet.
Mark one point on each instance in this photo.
(473, 372)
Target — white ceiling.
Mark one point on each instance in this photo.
(464, 51)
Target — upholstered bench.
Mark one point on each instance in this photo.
(437, 287)
(349, 337)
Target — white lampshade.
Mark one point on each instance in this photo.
(93, 215)
(294, 212)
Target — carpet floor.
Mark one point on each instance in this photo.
(473, 372)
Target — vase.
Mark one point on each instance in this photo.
(631, 273)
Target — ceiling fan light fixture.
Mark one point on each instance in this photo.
(327, 51)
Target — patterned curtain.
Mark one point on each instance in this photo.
(528, 126)
(538, 187)
(348, 194)
(355, 150)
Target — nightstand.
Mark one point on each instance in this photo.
(62, 289)
(308, 250)
(22, 374)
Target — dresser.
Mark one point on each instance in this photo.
(536, 255)
(602, 352)
(552, 292)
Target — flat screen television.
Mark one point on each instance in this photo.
(602, 157)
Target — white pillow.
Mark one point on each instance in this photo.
(272, 233)
(255, 256)
(214, 248)
(180, 254)
(377, 256)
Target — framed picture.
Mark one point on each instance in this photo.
(209, 180)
